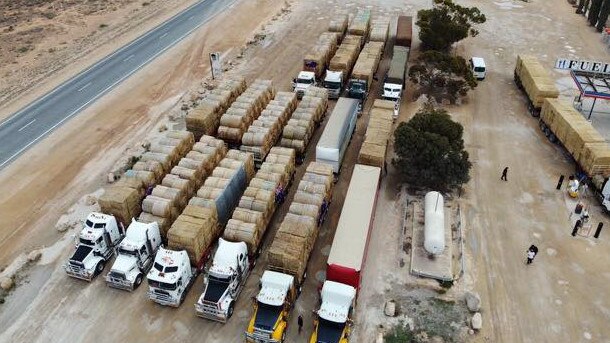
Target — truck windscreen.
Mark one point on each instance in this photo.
(161, 285)
(305, 81)
(127, 252)
(332, 85)
(329, 331)
(266, 316)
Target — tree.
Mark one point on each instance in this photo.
(430, 150)
(596, 5)
(440, 75)
(604, 12)
(447, 23)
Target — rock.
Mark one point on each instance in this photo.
(471, 332)
(473, 301)
(34, 255)
(477, 321)
(111, 178)
(90, 200)
(164, 127)
(390, 308)
(63, 227)
(7, 283)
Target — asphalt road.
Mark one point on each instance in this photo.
(34, 122)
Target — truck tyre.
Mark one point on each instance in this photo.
(138, 281)
(230, 310)
(283, 336)
(182, 296)
(99, 268)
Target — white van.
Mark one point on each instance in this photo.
(477, 64)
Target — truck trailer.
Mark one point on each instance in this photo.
(535, 81)
(338, 133)
(348, 250)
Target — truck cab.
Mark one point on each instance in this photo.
(272, 308)
(95, 246)
(304, 80)
(357, 89)
(392, 91)
(333, 323)
(170, 277)
(477, 64)
(223, 281)
(135, 255)
(334, 83)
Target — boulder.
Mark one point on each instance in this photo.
(90, 200)
(390, 308)
(473, 301)
(7, 283)
(477, 321)
(34, 255)
(111, 178)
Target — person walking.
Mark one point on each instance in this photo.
(531, 253)
(504, 174)
(300, 322)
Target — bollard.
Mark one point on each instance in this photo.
(560, 182)
(576, 226)
(599, 230)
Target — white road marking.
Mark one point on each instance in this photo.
(128, 58)
(191, 17)
(163, 35)
(26, 125)
(85, 86)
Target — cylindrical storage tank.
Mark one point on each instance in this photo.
(434, 225)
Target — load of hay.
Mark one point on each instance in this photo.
(309, 113)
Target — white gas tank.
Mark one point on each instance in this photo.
(434, 225)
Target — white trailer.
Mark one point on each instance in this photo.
(136, 254)
(95, 246)
(338, 133)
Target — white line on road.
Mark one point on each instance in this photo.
(85, 86)
(163, 35)
(191, 17)
(128, 58)
(26, 125)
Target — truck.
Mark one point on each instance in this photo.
(364, 71)
(135, 255)
(394, 82)
(333, 81)
(95, 246)
(304, 80)
(348, 250)
(171, 277)
(272, 308)
(333, 318)
(224, 280)
(338, 133)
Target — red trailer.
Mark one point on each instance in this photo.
(348, 251)
(404, 31)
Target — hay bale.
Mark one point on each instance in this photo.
(121, 202)
(158, 206)
(320, 168)
(304, 210)
(309, 198)
(238, 231)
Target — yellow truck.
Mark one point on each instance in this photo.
(272, 307)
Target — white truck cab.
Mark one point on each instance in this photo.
(333, 81)
(136, 254)
(95, 246)
(392, 91)
(304, 80)
(477, 64)
(333, 323)
(170, 277)
(223, 281)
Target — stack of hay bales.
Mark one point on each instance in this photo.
(257, 205)
(246, 108)
(338, 24)
(595, 159)
(308, 114)
(195, 230)
(222, 190)
(346, 54)
(361, 24)
(367, 62)
(379, 30)
(535, 80)
(123, 198)
(266, 130)
(377, 134)
(318, 57)
(204, 119)
(168, 199)
(295, 238)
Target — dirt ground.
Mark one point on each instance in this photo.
(559, 298)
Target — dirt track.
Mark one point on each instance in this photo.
(559, 298)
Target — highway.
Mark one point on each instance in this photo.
(35, 121)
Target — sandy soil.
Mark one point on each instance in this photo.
(552, 300)
(45, 43)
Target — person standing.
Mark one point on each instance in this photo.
(504, 174)
(531, 253)
(300, 322)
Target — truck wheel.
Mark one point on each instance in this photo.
(138, 281)
(100, 267)
(283, 336)
(230, 310)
